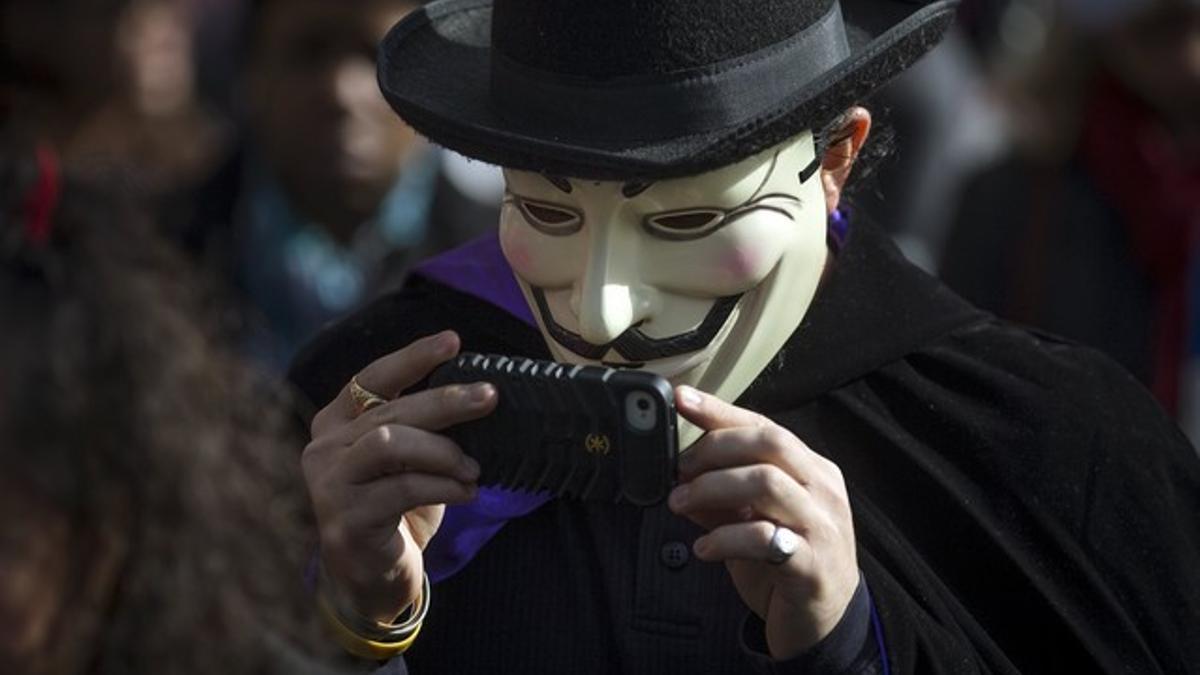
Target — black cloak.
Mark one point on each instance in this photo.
(1021, 504)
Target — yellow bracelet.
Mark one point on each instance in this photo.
(369, 639)
(358, 645)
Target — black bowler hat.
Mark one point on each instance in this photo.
(642, 89)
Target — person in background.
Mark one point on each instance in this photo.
(1089, 228)
(330, 196)
(150, 516)
(945, 126)
(111, 85)
(155, 125)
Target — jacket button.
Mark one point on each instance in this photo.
(674, 554)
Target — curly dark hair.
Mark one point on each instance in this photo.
(117, 409)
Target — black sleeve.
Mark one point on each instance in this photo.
(850, 649)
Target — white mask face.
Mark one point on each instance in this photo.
(699, 279)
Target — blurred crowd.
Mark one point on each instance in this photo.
(1048, 169)
(192, 188)
(255, 132)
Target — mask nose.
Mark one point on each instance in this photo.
(611, 298)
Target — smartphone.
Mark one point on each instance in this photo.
(584, 432)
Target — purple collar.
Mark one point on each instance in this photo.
(478, 268)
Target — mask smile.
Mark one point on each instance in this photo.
(635, 346)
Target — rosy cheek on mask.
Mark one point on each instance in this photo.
(515, 245)
(739, 265)
(538, 259)
(534, 257)
(729, 267)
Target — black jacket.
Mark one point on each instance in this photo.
(1021, 504)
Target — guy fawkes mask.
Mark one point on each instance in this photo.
(699, 279)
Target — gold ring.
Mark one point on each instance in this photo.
(364, 399)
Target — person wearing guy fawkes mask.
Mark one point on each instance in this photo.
(894, 481)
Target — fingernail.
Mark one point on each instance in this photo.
(700, 547)
(444, 341)
(679, 497)
(689, 396)
(481, 393)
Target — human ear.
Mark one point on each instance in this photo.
(841, 153)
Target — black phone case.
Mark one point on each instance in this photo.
(566, 429)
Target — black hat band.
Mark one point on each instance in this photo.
(694, 101)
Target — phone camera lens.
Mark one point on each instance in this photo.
(641, 412)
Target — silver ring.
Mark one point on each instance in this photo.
(783, 544)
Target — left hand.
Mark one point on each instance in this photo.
(744, 477)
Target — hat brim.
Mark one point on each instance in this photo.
(435, 69)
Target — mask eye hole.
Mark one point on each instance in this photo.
(550, 218)
(685, 224)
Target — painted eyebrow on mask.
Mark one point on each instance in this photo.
(634, 188)
(691, 223)
(559, 182)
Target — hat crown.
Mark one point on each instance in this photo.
(601, 39)
(642, 89)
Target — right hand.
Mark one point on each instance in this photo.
(380, 481)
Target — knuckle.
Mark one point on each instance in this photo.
(768, 442)
(771, 447)
(310, 456)
(314, 460)
(776, 439)
(388, 437)
(772, 482)
(380, 437)
(835, 474)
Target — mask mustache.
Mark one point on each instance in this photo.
(635, 346)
